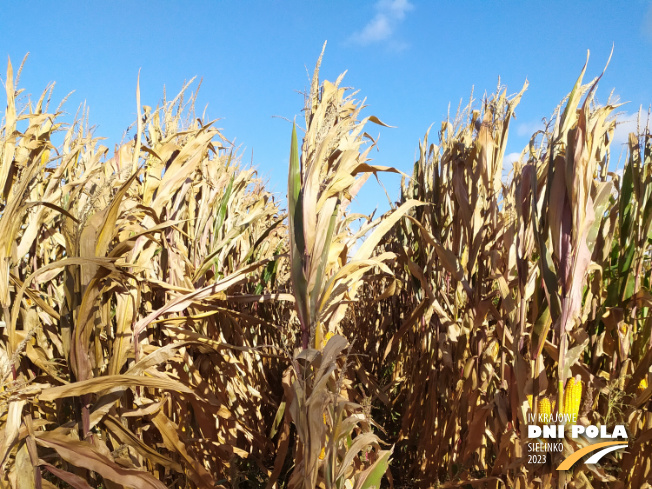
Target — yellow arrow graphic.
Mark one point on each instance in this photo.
(568, 463)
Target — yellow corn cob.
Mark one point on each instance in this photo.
(493, 349)
(642, 385)
(577, 396)
(568, 396)
(328, 336)
(545, 410)
(572, 397)
(323, 450)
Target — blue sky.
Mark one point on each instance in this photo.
(410, 59)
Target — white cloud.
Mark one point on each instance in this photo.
(381, 28)
(625, 124)
(526, 129)
(508, 163)
(510, 159)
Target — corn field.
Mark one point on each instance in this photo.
(167, 323)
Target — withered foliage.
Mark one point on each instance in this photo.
(166, 324)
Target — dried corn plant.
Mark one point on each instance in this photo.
(432, 333)
(326, 275)
(166, 324)
(511, 290)
(137, 345)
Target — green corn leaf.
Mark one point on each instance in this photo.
(221, 213)
(297, 243)
(371, 477)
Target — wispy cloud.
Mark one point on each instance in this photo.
(526, 129)
(508, 164)
(626, 123)
(381, 28)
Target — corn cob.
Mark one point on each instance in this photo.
(323, 450)
(572, 397)
(493, 349)
(328, 336)
(545, 410)
(642, 385)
